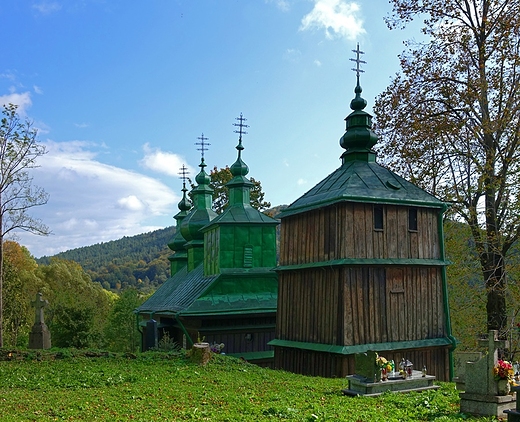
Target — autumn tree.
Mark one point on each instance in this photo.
(450, 122)
(20, 286)
(219, 179)
(19, 151)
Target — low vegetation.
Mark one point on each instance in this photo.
(87, 386)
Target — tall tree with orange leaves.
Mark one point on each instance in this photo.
(450, 122)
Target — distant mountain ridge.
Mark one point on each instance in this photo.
(140, 261)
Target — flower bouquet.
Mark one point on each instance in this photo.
(503, 370)
(384, 366)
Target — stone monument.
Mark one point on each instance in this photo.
(481, 389)
(39, 337)
(459, 366)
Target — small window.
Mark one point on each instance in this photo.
(378, 217)
(248, 256)
(412, 219)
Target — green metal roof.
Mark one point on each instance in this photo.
(419, 262)
(362, 181)
(240, 214)
(178, 292)
(194, 294)
(362, 348)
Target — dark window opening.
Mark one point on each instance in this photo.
(412, 219)
(378, 217)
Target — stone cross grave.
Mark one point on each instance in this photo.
(481, 393)
(39, 304)
(39, 337)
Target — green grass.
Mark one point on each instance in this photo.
(152, 388)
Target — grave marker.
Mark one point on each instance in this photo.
(40, 336)
(481, 393)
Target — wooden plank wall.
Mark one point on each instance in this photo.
(346, 230)
(330, 365)
(235, 341)
(309, 304)
(359, 305)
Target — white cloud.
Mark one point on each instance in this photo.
(163, 162)
(283, 5)
(22, 100)
(317, 63)
(339, 19)
(37, 90)
(92, 202)
(81, 125)
(46, 8)
(301, 182)
(131, 203)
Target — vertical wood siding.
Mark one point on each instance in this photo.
(347, 230)
(359, 305)
(354, 305)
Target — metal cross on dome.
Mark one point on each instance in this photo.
(240, 125)
(203, 145)
(358, 61)
(184, 175)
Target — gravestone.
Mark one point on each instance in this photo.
(39, 337)
(481, 394)
(366, 381)
(365, 364)
(459, 367)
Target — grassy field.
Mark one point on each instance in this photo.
(152, 387)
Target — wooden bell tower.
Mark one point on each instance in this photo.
(362, 267)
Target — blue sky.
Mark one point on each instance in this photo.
(120, 91)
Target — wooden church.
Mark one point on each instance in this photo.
(362, 267)
(223, 286)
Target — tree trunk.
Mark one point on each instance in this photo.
(200, 353)
(496, 294)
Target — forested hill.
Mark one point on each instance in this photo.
(140, 261)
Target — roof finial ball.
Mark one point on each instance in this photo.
(359, 138)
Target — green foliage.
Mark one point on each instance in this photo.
(167, 344)
(78, 307)
(20, 286)
(73, 327)
(121, 332)
(466, 292)
(152, 388)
